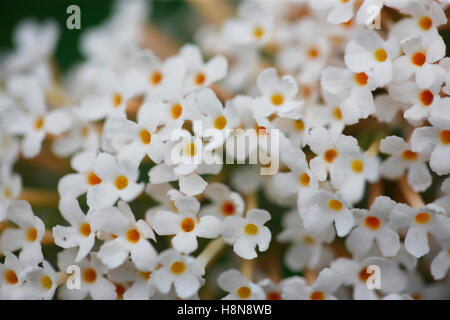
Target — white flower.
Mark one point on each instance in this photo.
(81, 233)
(387, 108)
(402, 158)
(129, 237)
(435, 139)
(253, 26)
(419, 59)
(356, 274)
(355, 90)
(238, 287)
(278, 94)
(185, 225)
(34, 122)
(10, 187)
(422, 101)
(76, 184)
(136, 140)
(300, 180)
(184, 272)
(93, 282)
(275, 291)
(424, 21)
(132, 283)
(29, 234)
(34, 42)
(224, 202)
(306, 249)
(373, 225)
(212, 116)
(13, 272)
(441, 262)
(370, 54)
(200, 74)
(338, 11)
(246, 233)
(118, 180)
(419, 223)
(323, 288)
(40, 283)
(82, 136)
(352, 170)
(323, 209)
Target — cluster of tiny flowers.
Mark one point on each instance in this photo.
(317, 71)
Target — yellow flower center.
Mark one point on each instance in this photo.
(304, 179)
(121, 182)
(46, 282)
(117, 100)
(357, 166)
(32, 234)
(277, 99)
(178, 267)
(335, 205)
(330, 155)
(380, 55)
(190, 149)
(220, 122)
(39, 123)
(251, 229)
(244, 292)
(258, 32)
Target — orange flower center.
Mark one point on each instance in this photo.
(146, 137)
(410, 155)
(39, 123)
(11, 277)
(93, 179)
(156, 78)
(117, 100)
(426, 97)
(244, 292)
(335, 205)
(273, 295)
(32, 234)
(299, 125)
(317, 295)
(361, 78)
(422, 218)
(418, 59)
(90, 275)
(178, 267)
(372, 222)
(176, 111)
(330, 155)
(85, 229)
(187, 225)
(228, 208)
(337, 113)
(425, 23)
(304, 179)
(200, 78)
(445, 136)
(133, 235)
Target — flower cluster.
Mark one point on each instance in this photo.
(363, 121)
